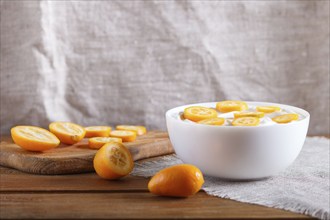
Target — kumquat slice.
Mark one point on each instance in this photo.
(268, 109)
(97, 131)
(212, 121)
(229, 106)
(249, 114)
(282, 119)
(198, 113)
(67, 132)
(98, 142)
(126, 136)
(140, 130)
(34, 138)
(246, 121)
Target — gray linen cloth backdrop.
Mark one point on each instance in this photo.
(111, 62)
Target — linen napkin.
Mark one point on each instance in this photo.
(302, 188)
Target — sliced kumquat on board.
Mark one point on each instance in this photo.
(34, 138)
(67, 132)
(212, 121)
(140, 130)
(229, 106)
(97, 131)
(113, 161)
(286, 118)
(198, 113)
(178, 181)
(98, 142)
(249, 114)
(246, 121)
(126, 136)
(268, 109)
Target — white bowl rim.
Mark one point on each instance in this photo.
(301, 111)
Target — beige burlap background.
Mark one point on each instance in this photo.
(110, 62)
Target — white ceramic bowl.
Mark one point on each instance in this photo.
(237, 152)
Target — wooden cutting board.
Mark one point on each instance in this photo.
(77, 158)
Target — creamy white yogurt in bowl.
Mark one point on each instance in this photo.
(238, 152)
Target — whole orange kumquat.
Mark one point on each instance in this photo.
(178, 181)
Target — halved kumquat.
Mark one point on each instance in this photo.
(113, 161)
(268, 109)
(126, 136)
(198, 113)
(67, 132)
(98, 142)
(34, 138)
(97, 131)
(212, 121)
(286, 118)
(246, 121)
(179, 181)
(229, 106)
(140, 130)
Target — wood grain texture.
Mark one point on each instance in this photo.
(133, 205)
(27, 196)
(77, 158)
(11, 181)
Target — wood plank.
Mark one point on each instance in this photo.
(87, 184)
(16, 181)
(129, 205)
(77, 158)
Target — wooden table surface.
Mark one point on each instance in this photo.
(24, 195)
(88, 196)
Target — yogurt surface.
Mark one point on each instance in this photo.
(229, 116)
